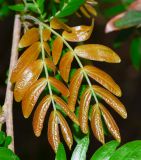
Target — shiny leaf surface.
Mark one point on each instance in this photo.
(110, 122)
(31, 36)
(28, 77)
(65, 65)
(74, 89)
(65, 108)
(57, 49)
(104, 79)
(57, 24)
(59, 86)
(53, 131)
(111, 100)
(25, 59)
(65, 129)
(96, 123)
(39, 115)
(79, 33)
(84, 109)
(32, 95)
(97, 52)
(105, 151)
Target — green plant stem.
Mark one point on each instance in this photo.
(45, 66)
(70, 48)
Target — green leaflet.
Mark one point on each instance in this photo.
(80, 150)
(41, 5)
(21, 7)
(129, 151)
(7, 154)
(2, 137)
(112, 11)
(8, 141)
(61, 153)
(131, 18)
(127, 2)
(69, 8)
(106, 151)
(135, 52)
(17, 7)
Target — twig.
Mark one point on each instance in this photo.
(8, 105)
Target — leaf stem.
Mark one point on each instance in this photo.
(44, 64)
(70, 48)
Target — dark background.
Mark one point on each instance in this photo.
(28, 147)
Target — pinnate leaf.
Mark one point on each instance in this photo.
(103, 78)
(84, 108)
(65, 108)
(57, 24)
(65, 129)
(31, 36)
(65, 65)
(39, 115)
(74, 89)
(32, 95)
(57, 49)
(29, 55)
(78, 33)
(110, 122)
(96, 123)
(111, 100)
(28, 77)
(97, 52)
(59, 86)
(53, 131)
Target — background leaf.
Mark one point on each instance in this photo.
(80, 150)
(61, 153)
(105, 152)
(41, 4)
(7, 154)
(132, 18)
(129, 151)
(17, 7)
(135, 52)
(70, 7)
(2, 137)
(8, 141)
